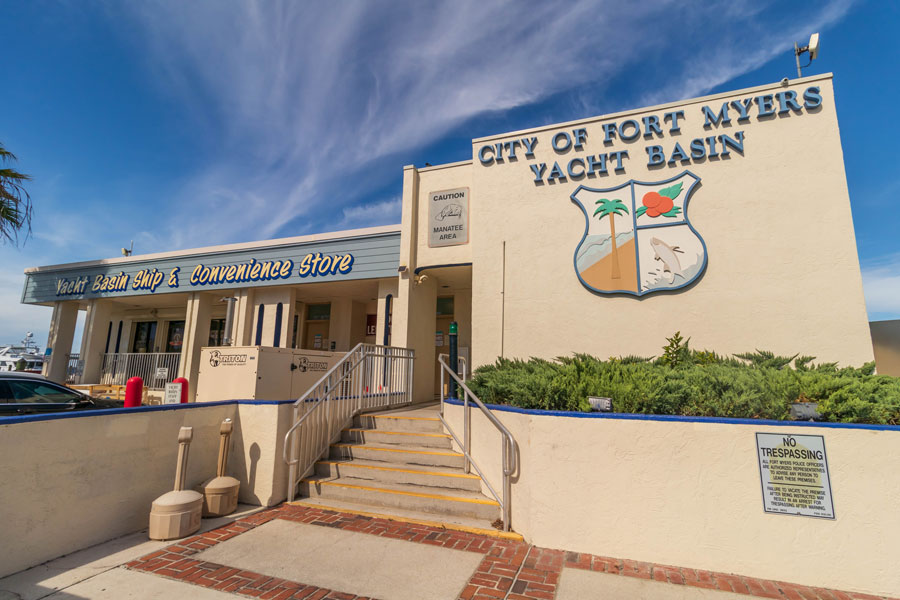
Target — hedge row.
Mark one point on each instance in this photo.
(758, 385)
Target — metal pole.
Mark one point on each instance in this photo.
(503, 302)
(467, 428)
(454, 356)
(229, 320)
(506, 484)
(797, 56)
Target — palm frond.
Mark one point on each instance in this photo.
(15, 202)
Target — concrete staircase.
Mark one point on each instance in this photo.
(400, 463)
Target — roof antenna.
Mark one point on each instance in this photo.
(812, 48)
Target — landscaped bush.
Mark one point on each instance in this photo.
(682, 381)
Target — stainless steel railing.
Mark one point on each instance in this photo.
(74, 368)
(366, 378)
(509, 448)
(155, 368)
(462, 365)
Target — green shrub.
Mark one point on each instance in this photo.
(757, 385)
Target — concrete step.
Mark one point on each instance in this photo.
(379, 471)
(380, 437)
(403, 496)
(456, 523)
(406, 455)
(421, 421)
(410, 455)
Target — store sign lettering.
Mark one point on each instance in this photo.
(651, 127)
(314, 264)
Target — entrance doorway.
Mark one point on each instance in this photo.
(443, 318)
(318, 319)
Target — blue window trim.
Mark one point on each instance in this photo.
(123, 411)
(387, 319)
(681, 419)
(259, 323)
(119, 337)
(279, 309)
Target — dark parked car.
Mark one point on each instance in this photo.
(26, 393)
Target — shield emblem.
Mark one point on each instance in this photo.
(638, 238)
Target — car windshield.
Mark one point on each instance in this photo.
(36, 392)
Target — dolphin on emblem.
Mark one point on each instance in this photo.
(666, 254)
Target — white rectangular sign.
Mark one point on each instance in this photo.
(793, 471)
(448, 217)
(162, 372)
(173, 393)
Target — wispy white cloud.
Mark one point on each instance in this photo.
(745, 48)
(384, 212)
(298, 99)
(303, 112)
(881, 283)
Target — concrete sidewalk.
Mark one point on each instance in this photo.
(295, 551)
(74, 575)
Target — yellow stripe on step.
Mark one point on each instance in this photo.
(359, 466)
(407, 418)
(441, 435)
(395, 450)
(402, 493)
(507, 535)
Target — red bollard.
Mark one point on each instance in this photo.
(184, 388)
(134, 390)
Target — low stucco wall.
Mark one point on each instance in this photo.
(71, 481)
(687, 493)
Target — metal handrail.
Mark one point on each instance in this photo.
(319, 402)
(367, 377)
(465, 365)
(509, 452)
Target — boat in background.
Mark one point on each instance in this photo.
(26, 350)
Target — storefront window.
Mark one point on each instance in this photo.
(318, 312)
(217, 332)
(445, 306)
(175, 337)
(144, 336)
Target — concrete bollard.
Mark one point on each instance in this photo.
(176, 514)
(220, 494)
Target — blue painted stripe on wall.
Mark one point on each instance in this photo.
(679, 418)
(122, 411)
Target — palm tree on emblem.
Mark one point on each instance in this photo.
(611, 208)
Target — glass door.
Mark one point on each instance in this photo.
(175, 336)
(217, 332)
(144, 336)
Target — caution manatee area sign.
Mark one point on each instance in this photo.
(793, 471)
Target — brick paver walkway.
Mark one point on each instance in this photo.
(509, 569)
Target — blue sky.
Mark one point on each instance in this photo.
(182, 124)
